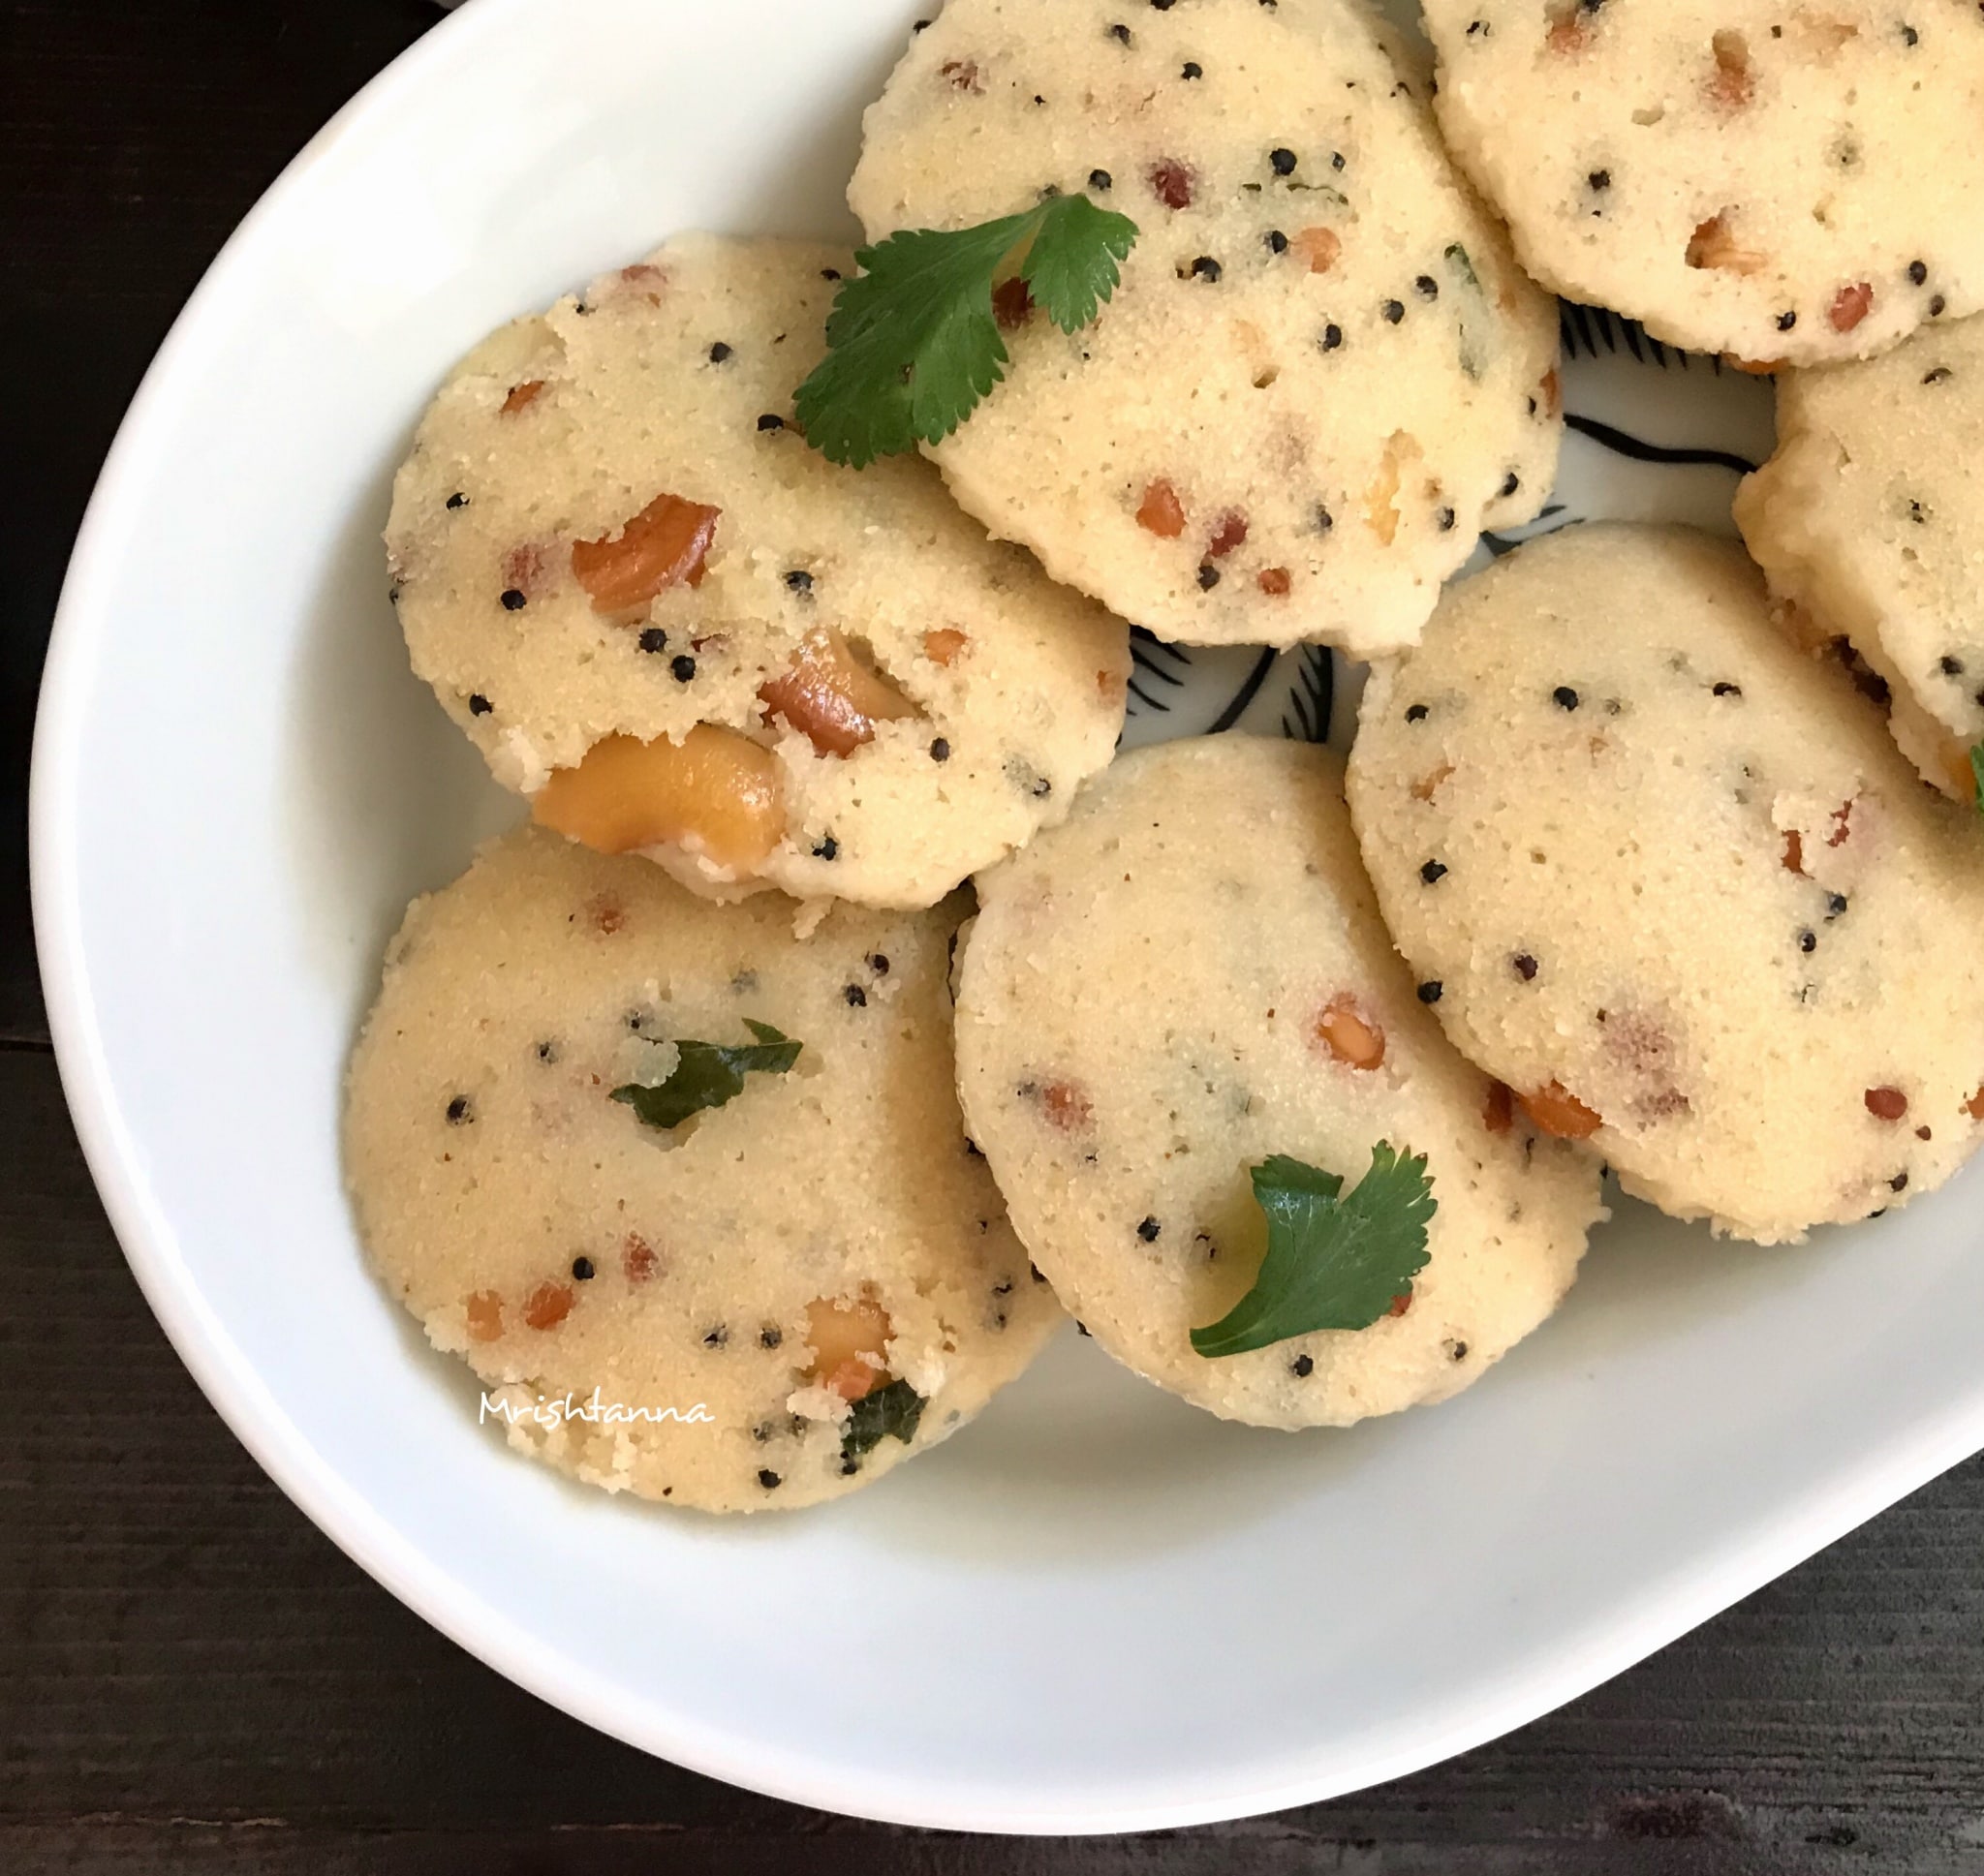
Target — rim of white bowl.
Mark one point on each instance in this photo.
(423, 1582)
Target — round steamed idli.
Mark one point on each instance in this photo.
(1186, 978)
(1671, 881)
(824, 1239)
(661, 617)
(1869, 519)
(1322, 374)
(1786, 184)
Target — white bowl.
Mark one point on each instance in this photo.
(1098, 1609)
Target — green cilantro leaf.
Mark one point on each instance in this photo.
(707, 1074)
(1072, 267)
(912, 343)
(1977, 773)
(1331, 1263)
(1475, 302)
(894, 1410)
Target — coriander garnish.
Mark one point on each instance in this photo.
(1457, 258)
(894, 1410)
(1977, 774)
(709, 1074)
(1329, 1264)
(913, 340)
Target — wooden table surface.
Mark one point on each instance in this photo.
(193, 1678)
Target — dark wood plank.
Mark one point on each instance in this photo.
(138, 132)
(193, 1678)
(269, 1848)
